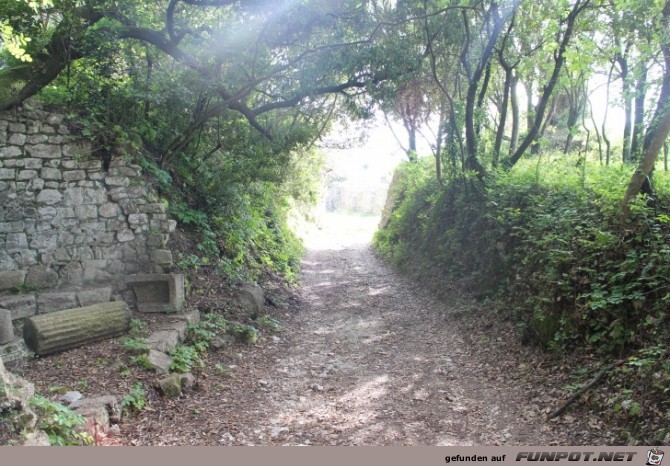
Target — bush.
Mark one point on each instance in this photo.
(551, 243)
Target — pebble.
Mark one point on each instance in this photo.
(227, 439)
(277, 431)
(71, 397)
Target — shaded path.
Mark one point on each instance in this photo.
(367, 357)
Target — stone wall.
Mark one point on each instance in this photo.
(66, 219)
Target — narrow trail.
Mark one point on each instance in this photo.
(373, 360)
(367, 357)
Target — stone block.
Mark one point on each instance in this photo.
(6, 327)
(153, 208)
(138, 220)
(73, 274)
(26, 175)
(87, 211)
(56, 301)
(55, 119)
(37, 139)
(10, 151)
(191, 318)
(26, 258)
(93, 267)
(20, 306)
(37, 438)
(15, 353)
(79, 149)
(124, 236)
(109, 210)
(41, 277)
(44, 151)
(12, 227)
(17, 127)
(177, 325)
(16, 242)
(11, 279)
(94, 296)
(158, 292)
(169, 386)
(74, 196)
(161, 257)
(163, 341)
(18, 139)
(251, 298)
(7, 173)
(13, 163)
(74, 175)
(160, 362)
(49, 197)
(122, 181)
(109, 403)
(51, 173)
(45, 240)
(95, 195)
(66, 212)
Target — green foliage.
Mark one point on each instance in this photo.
(223, 370)
(269, 323)
(59, 422)
(244, 333)
(141, 361)
(135, 345)
(138, 328)
(184, 357)
(551, 241)
(135, 400)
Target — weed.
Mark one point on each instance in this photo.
(135, 345)
(135, 400)
(138, 328)
(59, 422)
(223, 370)
(142, 361)
(184, 358)
(244, 333)
(269, 323)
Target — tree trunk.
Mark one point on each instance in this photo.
(61, 50)
(638, 127)
(598, 137)
(628, 107)
(471, 162)
(604, 127)
(438, 144)
(657, 133)
(503, 116)
(559, 60)
(514, 98)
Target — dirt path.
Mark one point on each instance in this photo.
(373, 363)
(366, 357)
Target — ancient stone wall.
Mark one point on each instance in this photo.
(65, 219)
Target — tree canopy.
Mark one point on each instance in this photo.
(283, 69)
